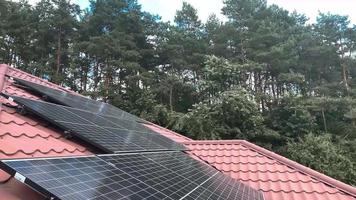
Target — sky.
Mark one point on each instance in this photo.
(311, 8)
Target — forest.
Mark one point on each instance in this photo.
(264, 75)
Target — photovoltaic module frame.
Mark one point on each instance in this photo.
(78, 101)
(160, 175)
(140, 164)
(111, 137)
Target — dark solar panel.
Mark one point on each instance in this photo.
(98, 131)
(120, 141)
(77, 101)
(128, 124)
(182, 164)
(93, 118)
(161, 178)
(148, 141)
(221, 187)
(161, 175)
(212, 185)
(81, 178)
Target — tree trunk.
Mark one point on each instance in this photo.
(344, 77)
(171, 97)
(107, 81)
(96, 75)
(58, 62)
(324, 120)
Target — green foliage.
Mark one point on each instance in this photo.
(263, 75)
(232, 115)
(291, 118)
(322, 154)
(219, 75)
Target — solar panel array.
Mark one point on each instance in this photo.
(165, 172)
(224, 187)
(77, 101)
(140, 167)
(110, 136)
(163, 175)
(81, 178)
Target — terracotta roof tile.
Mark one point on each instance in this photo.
(269, 174)
(24, 137)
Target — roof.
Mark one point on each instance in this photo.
(279, 178)
(25, 137)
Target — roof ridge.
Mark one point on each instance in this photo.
(348, 189)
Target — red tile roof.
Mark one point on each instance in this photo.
(277, 177)
(23, 137)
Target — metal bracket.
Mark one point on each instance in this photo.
(21, 110)
(68, 134)
(45, 97)
(20, 177)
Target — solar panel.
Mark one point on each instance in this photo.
(148, 141)
(93, 118)
(96, 130)
(223, 187)
(160, 175)
(77, 101)
(179, 176)
(110, 112)
(120, 141)
(161, 178)
(80, 178)
(128, 124)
